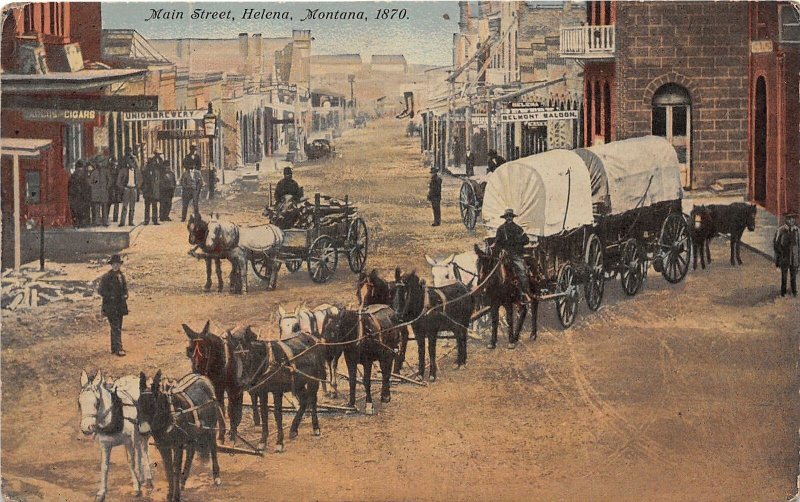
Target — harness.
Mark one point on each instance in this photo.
(178, 392)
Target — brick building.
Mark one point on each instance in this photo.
(686, 71)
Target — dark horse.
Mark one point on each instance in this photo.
(210, 357)
(181, 418)
(293, 364)
(198, 237)
(371, 289)
(431, 310)
(500, 289)
(702, 231)
(732, 220)
(366, 336)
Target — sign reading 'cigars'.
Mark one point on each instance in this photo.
(41, 115)
(163, 115)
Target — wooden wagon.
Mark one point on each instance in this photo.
(333, 228)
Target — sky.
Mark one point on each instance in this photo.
(424, 37)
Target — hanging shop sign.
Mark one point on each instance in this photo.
(536, 114)
(41, 115)
(180, 134)
(525, 104)
(163, 115)
(98, 103)
(480, 119)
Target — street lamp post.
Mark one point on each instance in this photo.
(210, 129)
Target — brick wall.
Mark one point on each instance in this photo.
(702, 46)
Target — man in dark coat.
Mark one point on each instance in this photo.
(151, 186)
(512, 238)
(168, 184)
(787, 251)
(435, 196)
(114, 192)
(191, 185)
(287, 186)
(129, 181)
(101, 183)
(79, 193)
(114, 290)
(469, 159)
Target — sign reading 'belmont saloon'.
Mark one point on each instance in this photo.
(536, 114)
(163, 115)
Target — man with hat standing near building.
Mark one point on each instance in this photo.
(168, 184)
(287, 186)
(787, 251)
(114, 290)
(129, 180)
(512, 238)
(191, 182)
(151, 186)
(435, 196)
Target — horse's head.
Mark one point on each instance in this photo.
(248, 361)
(443, 271)
(152, 408)
(205, 350)
(367, 288)
(700, 217)
(290, 323)
(486, 262)
(751, 217)
(94, 402)
(198, 229)
(409, 295)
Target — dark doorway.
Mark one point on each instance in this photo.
(9, 43)
(760, 142)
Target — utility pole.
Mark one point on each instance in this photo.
(352, 79)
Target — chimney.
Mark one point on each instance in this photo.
(464, 15)
(244, 51)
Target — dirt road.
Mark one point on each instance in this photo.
(685, 392)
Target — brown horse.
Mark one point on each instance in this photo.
(198, 233)
(371, 289)
(500, 289)
(211, 357)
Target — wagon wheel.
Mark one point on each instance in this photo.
(322, 259)
(357, 244)
(675, 247)
(293, 265)
(566, 305)
(262, 265)
(468, 202)
(632, 267)
(595, 277)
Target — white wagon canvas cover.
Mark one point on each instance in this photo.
(550, 192)
(636, 172)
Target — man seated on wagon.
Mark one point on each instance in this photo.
(512, 238)
(287, 186)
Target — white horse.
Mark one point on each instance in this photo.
(109, 412)
(305, 320)
(462, 267)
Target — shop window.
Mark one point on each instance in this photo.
(790, 23)
(33, 188)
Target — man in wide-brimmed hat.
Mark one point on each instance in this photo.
(787, 251)
(512, 239)
(435, 196)
(287, 186)
(114, 290)
(191, 182)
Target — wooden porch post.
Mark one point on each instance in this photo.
(17, 230)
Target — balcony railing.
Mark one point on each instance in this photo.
(587, 42)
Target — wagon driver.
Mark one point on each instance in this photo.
(512, 238)
(287, 186)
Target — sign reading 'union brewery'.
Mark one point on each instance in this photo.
(537, 114)
(180, 134)
(163, 115)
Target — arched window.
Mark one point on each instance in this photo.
(672, 118)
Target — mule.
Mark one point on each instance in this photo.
(209, 239)
(108, 411)
(210, 356)
(702, 231)
(312, 321)
(371, 289)
(294, 365)
(365, 336)
(432, 310)
(181, 418)
(732, 220)
(499, 285)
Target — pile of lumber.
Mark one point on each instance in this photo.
(331, 212)
(30, 289)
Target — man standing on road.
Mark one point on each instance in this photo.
(512, 238)
(114, 291)
(129, 180)
(469, 159)
(787, 251)
(168, 184)
(151, 186)
(191, 185)
(287, 186)
(435, 197)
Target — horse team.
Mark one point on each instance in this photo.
(187, 416)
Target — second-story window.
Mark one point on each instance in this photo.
(790, 23)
